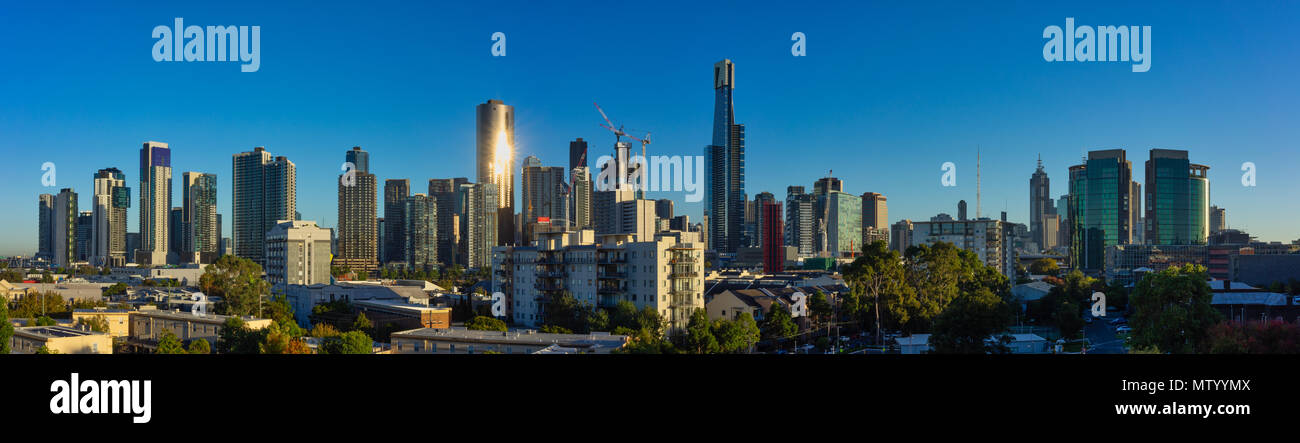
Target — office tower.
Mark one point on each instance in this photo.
(577, 154)
(1051, 225)
(112, 199)
(606, 209)
(1218, 219)
(1178, 199)
(900, 236)
(132, 244)
(358, 237)
(478, 222)
(961, 210)
(265, 193)
(443, 191)
(827, 184)
(725, 166)
(680, 223)
(297, 253)
(800, 221)
(1100, 210)
(545, 197)
(757, 235)
(580, 210)
(664, 208)
(843, 224)
(155, 203)
(396, 191)
(664, 273)
(773, 236)
(421, 218)
(201, 224)
(495, 140)
(1040, 203)
(64, 228)
(45, 227)
(221, 238)
(85, 223)
(175, 233)
(875, 218)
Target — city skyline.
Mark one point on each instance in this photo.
(793, 137)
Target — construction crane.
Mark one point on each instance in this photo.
(619, 133)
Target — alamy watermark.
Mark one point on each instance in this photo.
(1102, 44)
(669, 173)
(217, 44)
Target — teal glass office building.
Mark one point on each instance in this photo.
(1178, 199)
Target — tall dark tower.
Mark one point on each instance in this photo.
(725, 166)
(1040, 203)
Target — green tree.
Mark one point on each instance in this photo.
(96, 323)
(1044, 266)
(483, 323)
(778, 324)
(236, 338)
(1171, 309)
(876, 280)
(736, 336)
(238, 281)
(324, 330)
(6, 327)
(551, 329)
(45, 350)
(699, 333)
(361, 323)
(200, 346)
(116, 289)
(168, 343)
(351, 342)
(969, 321)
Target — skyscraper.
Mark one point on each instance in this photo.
(495, 141)
(265, 192)
(545, 196)
(664, 208)
(843, 224)
(396, 191)
(1218, 219)
(577, 154)
(759, 233)
(1178, 199)
(155, 202)
(175, 234)
(961, 210)
(773, 237)
(478, 223)
(358, 235)
(580, 210)
(799, 220)
(64, 228)
(85, 226)
(875, 218)
(111, 200)
(421, 218)
(45, 227)
(443, 191)
(201, 226)
(725, 166)
(1040, 204)
(1100, 207)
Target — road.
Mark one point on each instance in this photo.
(1102, 335)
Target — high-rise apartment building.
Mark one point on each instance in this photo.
(201, 230)
(495, 161)
(577, 154)
(725, 166)
(358, 235)
(265, 192)
(64, 228)
(45, 227)
(155, 203)
(843, 224)
(800, 221)
(111, 200)
(1101, 207)
(478, 222)
(1218, 219)
(580, 216)
(396, 191)
(421, 218)
(1178, 199)
(297, 253)
(85, 226)
(545, 196)
(986, 238)
(444, 191)
(900, 236)
(773, 236)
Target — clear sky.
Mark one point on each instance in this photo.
(886, 94)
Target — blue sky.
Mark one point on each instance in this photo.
(886, 94)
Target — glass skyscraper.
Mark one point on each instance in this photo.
(1178, 199)
(1101, 207)
(725, 166)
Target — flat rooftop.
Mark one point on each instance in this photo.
(520, 336)
(48, 332)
